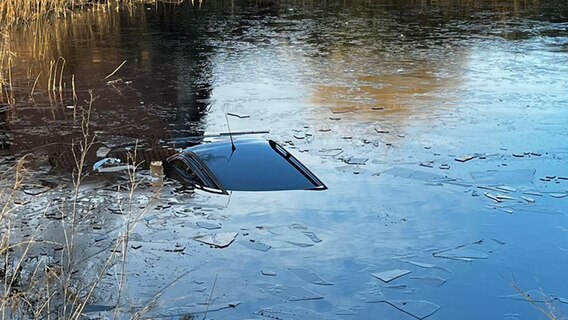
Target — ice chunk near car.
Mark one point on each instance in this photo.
(389, 275)
(241, 164)
(218, 240)
(419, 309)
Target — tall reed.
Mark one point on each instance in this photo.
(14, 12)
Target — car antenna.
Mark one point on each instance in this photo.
(233, 148)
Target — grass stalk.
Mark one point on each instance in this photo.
(35, 84)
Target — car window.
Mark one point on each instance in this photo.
(253, 165)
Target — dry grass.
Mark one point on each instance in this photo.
(62, 284)
(15, 12)
(57, 285)
(33, 62)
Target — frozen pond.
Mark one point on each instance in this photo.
(440, 130)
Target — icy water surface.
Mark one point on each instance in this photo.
(439, 129)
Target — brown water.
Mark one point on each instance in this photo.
(408, 85)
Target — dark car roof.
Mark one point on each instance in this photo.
(254, 165)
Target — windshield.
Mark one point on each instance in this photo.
(254, 165)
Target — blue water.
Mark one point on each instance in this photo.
(411, 88)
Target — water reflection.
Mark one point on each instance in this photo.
(80, 53)
(447, 79)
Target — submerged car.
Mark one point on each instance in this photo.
(243, 164)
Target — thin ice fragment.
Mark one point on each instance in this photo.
(527, 199)
(290, 293)
(388, 276)
(444, 166)
(106, 161)
(415, 174)
(300, 244)
(506, 188)
(498, 241)
(516, 177)
(397, 286)
(461, 253)
(255, 245)
(503, 197)
(426, 164)
(464, 158)
(419, 264)
(208, 225)
(562, 299)
(348, 311)
(558, 195)
(312, 236)
(309, 276)
(356, 161)
(286, 312)
(431, 281)
(103, 152)
(297, 226)
(219, 240)
(492, 197)
(419, 309)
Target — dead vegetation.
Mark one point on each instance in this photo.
(17, 12)
(50, 266)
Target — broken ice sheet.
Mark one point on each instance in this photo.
(35, 191)
(528, 200)
(431, 281)
(558, 195)
(419, 264)
(415, 174)
(255, 245)
(462, 252)
(312, 236)
(348, 310)
(189, 308)
(492, 197)
(419, 309)
(297, 226)
(289, 293)
(309, 276)
(219, 240)
(498, 177)
(388, 276)
(331, 152)
(103, 152)
(300, 244)
(506, 188)
(464, 158)
(356, 161)
(286, 312)
(208, 225)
